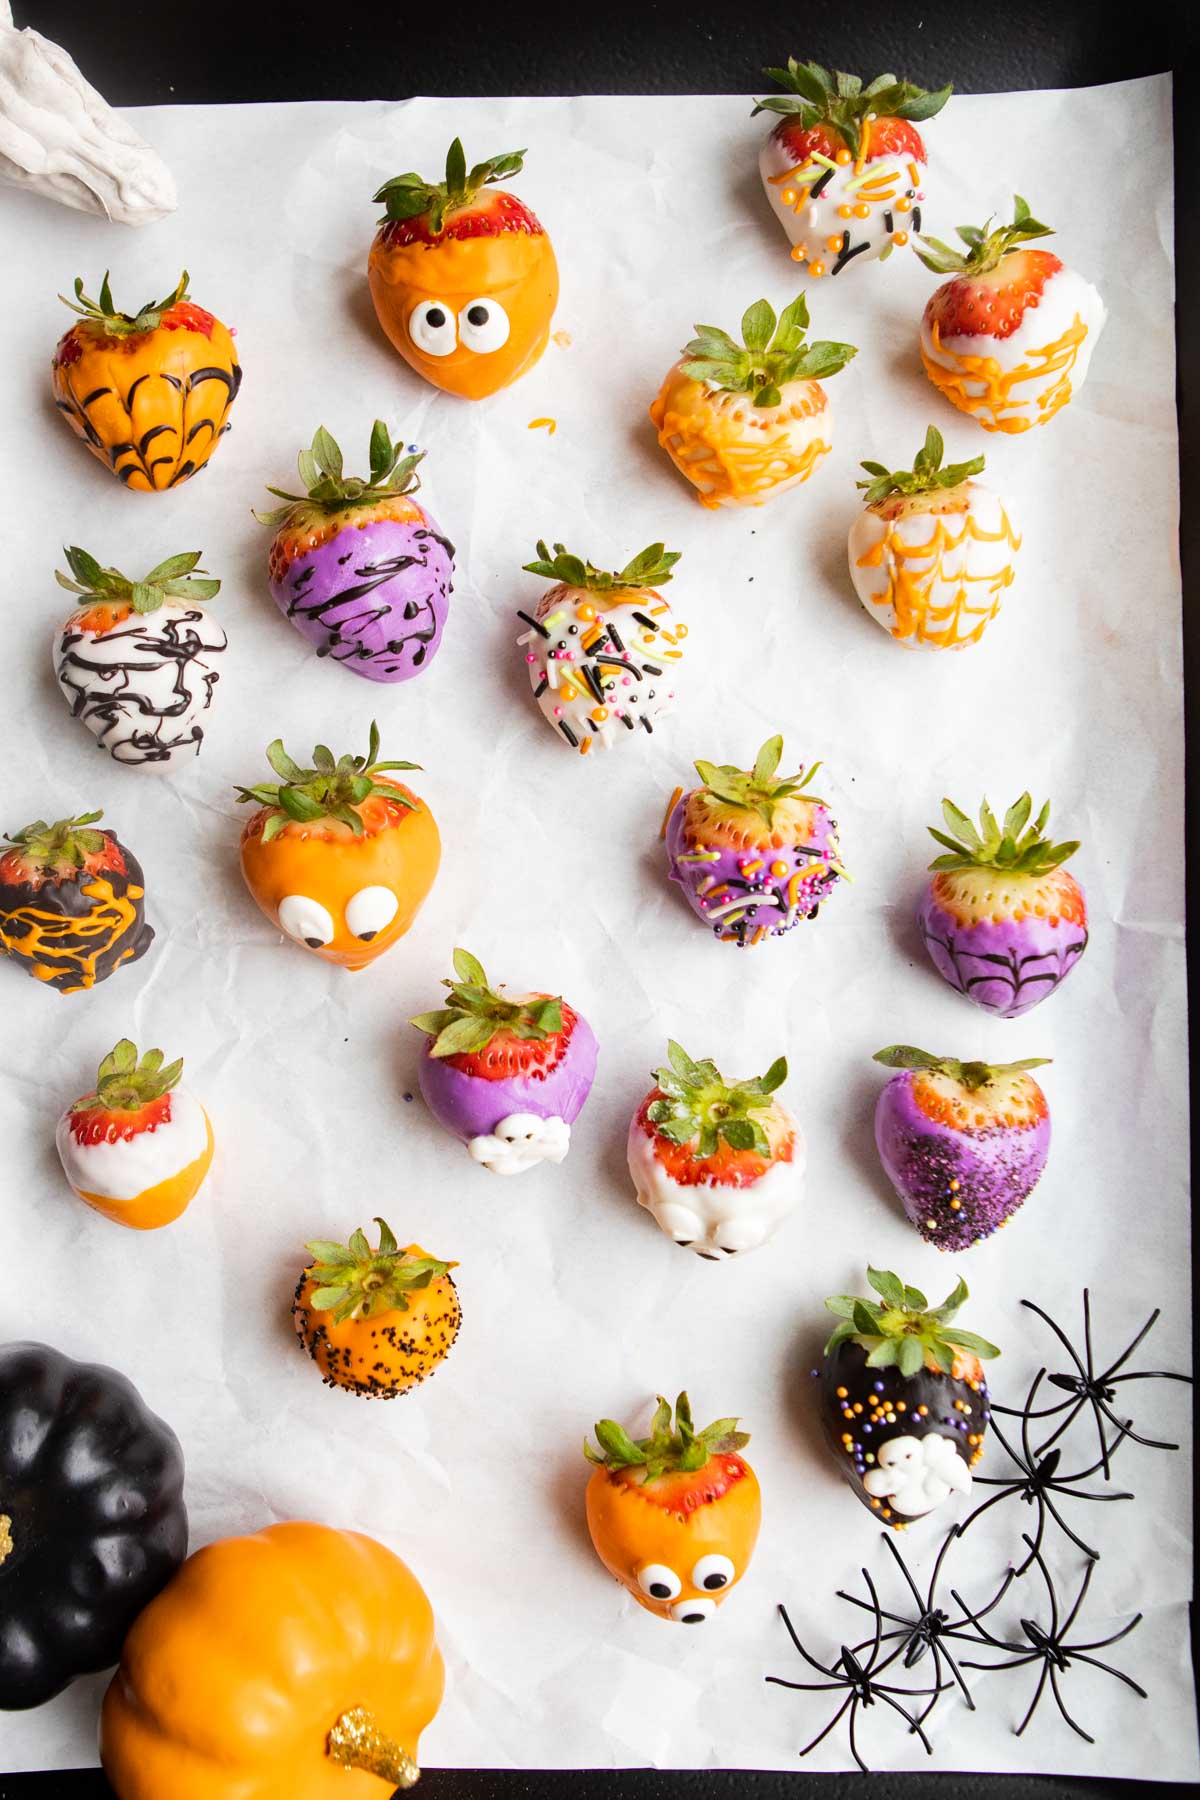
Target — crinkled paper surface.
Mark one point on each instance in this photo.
(575, 1306)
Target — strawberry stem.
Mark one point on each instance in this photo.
(328, 489)
(901, 1328)
(410, 196)
(972, 1075)
(178, 578)
(353, 1281)
(329, 790)
(674, 1446)
(987, 244)
(1016, 847)
(773, 353)
(59, 848)
(103, 313)
(699, 1105)
(123, 1084)
(817, 96)
(476, 1013)
(927, 475)
(650, 568)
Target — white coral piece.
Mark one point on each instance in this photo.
(60, 138)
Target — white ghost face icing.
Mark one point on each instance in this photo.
(717, 1220)
(520, 1142)
(916, 1474)
(143, 689)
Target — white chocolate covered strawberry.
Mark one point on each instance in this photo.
(718, 1164)
(933, 553)
(1010, 337)
(743, 422)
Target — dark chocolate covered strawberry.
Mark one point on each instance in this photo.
(508, 1074)
(904, 1403)
(962, 1143)
(72, 903)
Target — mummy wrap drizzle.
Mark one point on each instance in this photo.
(134, 661)
(72, 903)
(360, 569)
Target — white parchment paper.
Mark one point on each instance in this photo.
(575, 1306)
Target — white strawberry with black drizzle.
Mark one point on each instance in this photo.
(135, 659)
(904, 1403)
(602, 646)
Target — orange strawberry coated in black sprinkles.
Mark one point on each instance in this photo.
(411, 1361)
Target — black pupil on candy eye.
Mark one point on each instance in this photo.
(314, 943)
(693, 1618)
(660, 1590)
(366, 936)
(435, 317)
(715, 1581)
(478, 315)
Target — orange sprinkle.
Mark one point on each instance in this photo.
(914, 174)
(900, 237)
(833, 243)
(779, 868)
(816, 268)
(563, 338)
(845, 212)
(862, 210)
(551, 425)
(585, 746)
(671, 805)
(904, 204)
(843, 156)
(799, 252)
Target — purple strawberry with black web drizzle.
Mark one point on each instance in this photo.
(1002, 920)
(963, 1144)
(359, 568)
(904, 1403)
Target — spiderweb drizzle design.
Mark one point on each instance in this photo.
(186, 411)
(971, 969)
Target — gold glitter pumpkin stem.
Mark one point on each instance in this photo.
(356, 1742)
(6, 1543)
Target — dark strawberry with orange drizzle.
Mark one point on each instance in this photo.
(72, 903)
(148, 392)
(508, 1074)
(843, 166)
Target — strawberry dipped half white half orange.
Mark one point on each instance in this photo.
(506, 1073)
(376, 1322)
(743, 422)
(339, 856)
(138, 1147)
(717, 1164)
(844, 165)
(674, 1516)
(463, 276)
(148, 392)
(1009, 338)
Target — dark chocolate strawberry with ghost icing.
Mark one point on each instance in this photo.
(72, 903)
(904, 1402)
(360, 568)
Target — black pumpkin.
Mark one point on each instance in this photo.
(92, 1521)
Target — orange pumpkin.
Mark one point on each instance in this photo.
(339, 857)
(298, 1662)
(148, 392)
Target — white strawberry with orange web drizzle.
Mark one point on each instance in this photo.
(933, 552)
(844, 166)
(745, 421)
(1010, 337)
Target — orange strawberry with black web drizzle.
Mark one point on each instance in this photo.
(148, 392)
(72, 903)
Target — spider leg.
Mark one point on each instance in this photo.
(1109, 1670)
(1040, 1412)
(867, 1607)
(1129, 1350)
(1125, 1428)
(1017, 1662)
(803, 1687)
(1037, 1694)
(1078, 1729)
(1076, 1407)
(1010, 1575)
(1048, 1506)
(837, 1718)
(1148, 1375)
(957, 1674)
(1103, 1643)
(914, 1724)
(900, 1564)
(1081, 1596)
(985, 1634)
(878, 1620)
(1035, 1544)
(1040, 1560)
(810, 1660)
(1064, 1340)
(853, 1741)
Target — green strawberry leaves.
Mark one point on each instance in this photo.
(987, 244)
(757, 790)
(352, 1281)
(674, 1446)
(103, 313)
(1014, 847)
(178, 578)
(970, 1075)
(125, 1084)
(329, 489)
(476, 1013)
(66, 844)
(697, 1105)
(773, 352)
(926, 476)
(900, 1329)
(410, 196)
(818, 97)
(650, 568)
(329, 790)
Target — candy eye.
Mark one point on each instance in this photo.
(658, 1582)
(713, 1573)
(693, 1612)
(306, 920)
(432, 329)
(370, 911)
(484, 326)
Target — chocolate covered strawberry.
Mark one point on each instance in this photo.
(508, 1074)
(903, 1399)
(1002, 920)
(72, 903)
(844, 166)
(135, 659)
(1010, 337)
(359, 568)
(718, 1164)
(754, 853)
(962, 1143)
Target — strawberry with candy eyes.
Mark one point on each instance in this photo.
(72, 903)
(844, 166)
(903, 1399)
(508, 1074)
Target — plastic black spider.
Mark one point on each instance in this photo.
(1086, 1387)
(859, 1681)
(930, 1631)
(1050, 1648)
(1038, 1479)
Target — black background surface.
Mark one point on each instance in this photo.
(165, 53)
